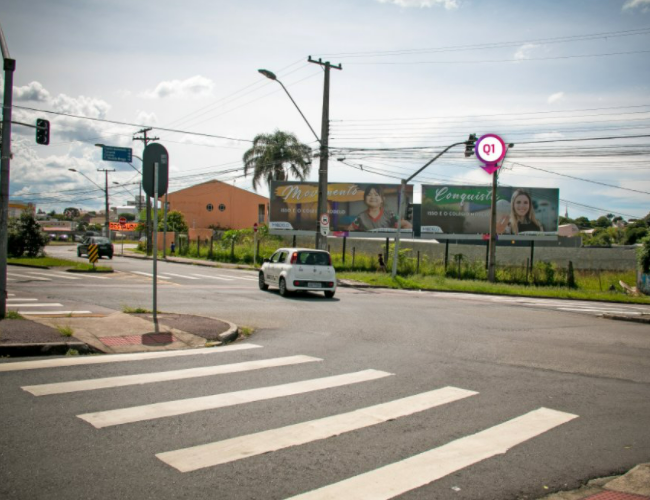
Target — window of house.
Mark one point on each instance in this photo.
(210, 207)
(260, 213)
(222, 207)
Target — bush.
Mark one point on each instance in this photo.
(643, 256)
(25, 236)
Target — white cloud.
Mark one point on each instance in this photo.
(644, 5)
(196, 86)
(555, 97)
(448, 4)
(523, 52)
(32, 92)
(145, 118)
(547, 136)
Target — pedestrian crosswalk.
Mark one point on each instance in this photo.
(387, 481)
(29, 306)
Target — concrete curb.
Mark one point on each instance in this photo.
(634, 319)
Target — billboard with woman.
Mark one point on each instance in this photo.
(355, 209)
(465, 210)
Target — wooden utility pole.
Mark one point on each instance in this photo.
(321, 241)
(146, 141)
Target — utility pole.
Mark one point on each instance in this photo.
(108, 224)
(492, 257)
(146, 141)
(321, 241)
(9, 66)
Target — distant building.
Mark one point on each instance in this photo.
(568, 230)
(217, 204)
(16, 209)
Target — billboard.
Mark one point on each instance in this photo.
(355, 209)
(522, 213)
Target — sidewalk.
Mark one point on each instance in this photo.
(634, 485)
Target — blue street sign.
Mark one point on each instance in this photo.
(112, 153)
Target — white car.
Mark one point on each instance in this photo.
(299, 269)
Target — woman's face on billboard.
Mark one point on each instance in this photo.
(374, 199)
(522, 205)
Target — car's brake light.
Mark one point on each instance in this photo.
(329, 260)
(296, 283)
(294, 257)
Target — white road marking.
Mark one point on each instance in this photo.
(36, 305)
(16, 275)
(65, 276)
(247, 278)
(213, 277)
(229, 450)
(117, 358)
(49, 275)
(149, 275)
(88, 275)
(419, 470)
(182, 276)
(149, 378)
(179, 407)
(54, 313)
(22, 300)
(11, 295)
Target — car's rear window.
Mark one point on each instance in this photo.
(313, 258)
(100, 241)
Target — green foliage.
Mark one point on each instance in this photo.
(635, 232)
(66, 331)
(277, 156)
(175, 222)
(13, 315)
(25, 236)
(643, 256)
(46, 262)
(603, 221)
(128, 216)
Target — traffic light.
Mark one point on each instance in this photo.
(469, 145)
(42, 132)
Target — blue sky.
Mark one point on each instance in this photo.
(416, 73)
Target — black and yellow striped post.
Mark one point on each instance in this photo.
(93, 254)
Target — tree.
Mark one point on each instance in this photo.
(583, 223)
(635, 232)
(25, 236)
(603, 221)
(128, 216)
(175, 222)
(71, 213)
(277, 156)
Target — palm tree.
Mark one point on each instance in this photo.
(276, 157)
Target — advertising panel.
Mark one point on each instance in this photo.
(354, 209)
(522, 213)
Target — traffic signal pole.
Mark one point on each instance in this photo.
(401, 202)
(5, 152)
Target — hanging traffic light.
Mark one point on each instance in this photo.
(42, 132)
(469, 145)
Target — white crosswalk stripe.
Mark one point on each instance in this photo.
(207, 455)
(419, 470)
(149, 378)
(53, 313)
(181, 276)
(53, 304)
(183, 406)
(21, 300)
(213, 277)
(56, 275)
(25, 276)
(149, 275)
(119, 358)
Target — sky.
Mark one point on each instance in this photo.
(417, 76)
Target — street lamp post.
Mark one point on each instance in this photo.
(321, 241)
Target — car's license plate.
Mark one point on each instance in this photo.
(313, 285)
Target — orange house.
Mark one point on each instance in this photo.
(217, 204)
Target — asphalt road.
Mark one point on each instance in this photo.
(508, 359)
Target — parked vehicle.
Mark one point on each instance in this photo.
(104, 246)
(299, 269)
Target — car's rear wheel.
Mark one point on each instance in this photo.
(262, 283)
(283, 287)
(329, 294)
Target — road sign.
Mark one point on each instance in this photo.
(113, 153)
(324, 224)
(93, 253)
(255, 227)
(155, 153)
(122, 220)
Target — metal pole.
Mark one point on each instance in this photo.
(255, 247)
(321, 241)
(165, 231)
(493, 224)
(402, 191)
(155, 247)
(9, 67)
(108, 227)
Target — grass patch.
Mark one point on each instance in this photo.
(136, 310)
(72, 352)
(13, 315)
(47, 262)
(66, 331)
(246, 331)
(441, 283)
